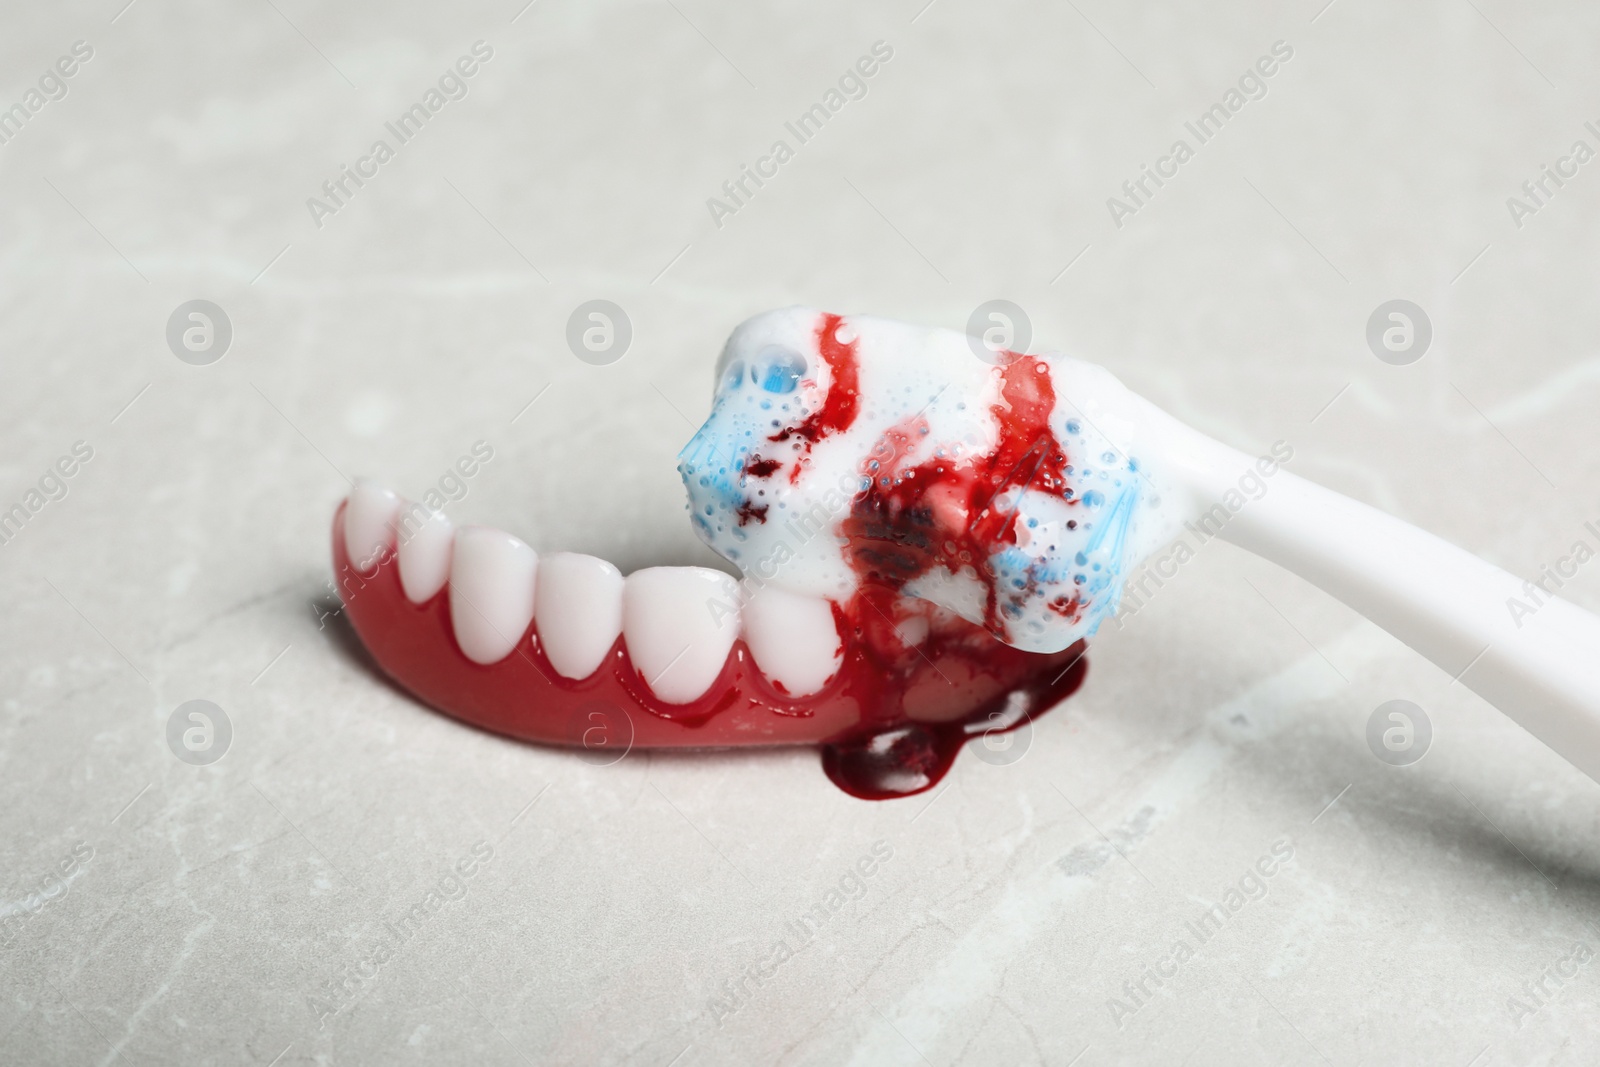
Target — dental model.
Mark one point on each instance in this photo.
(927, 538)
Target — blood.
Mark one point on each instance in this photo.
(899, 750)
(946, 511)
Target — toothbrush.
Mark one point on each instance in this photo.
(927, 533)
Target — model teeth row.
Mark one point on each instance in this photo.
(678, 623)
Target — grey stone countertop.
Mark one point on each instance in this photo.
(155, 912)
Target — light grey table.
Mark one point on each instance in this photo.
(1029, 913)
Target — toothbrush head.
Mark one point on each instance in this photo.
(852, 453)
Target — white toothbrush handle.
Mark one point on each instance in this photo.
(1541, 669)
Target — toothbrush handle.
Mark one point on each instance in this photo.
(1540, 666)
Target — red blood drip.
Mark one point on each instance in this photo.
(748, 511)
(898, 761)
(925, 700)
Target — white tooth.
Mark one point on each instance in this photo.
(491, 592)
(368, 522)
(578, 608)
(793, 639)
(426, 538)
(679, 623)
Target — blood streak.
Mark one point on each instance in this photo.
(837, 412)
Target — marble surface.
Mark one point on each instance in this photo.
(153, 911)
